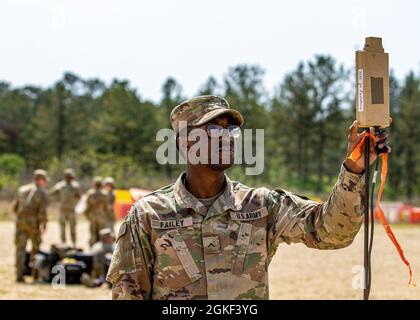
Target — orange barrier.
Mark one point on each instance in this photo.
(415, 215)
(124, 199)
(410, 214)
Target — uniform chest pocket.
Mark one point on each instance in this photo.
(124, 257)
(250, 251)
(175, 266)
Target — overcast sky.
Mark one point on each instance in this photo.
(147, 41)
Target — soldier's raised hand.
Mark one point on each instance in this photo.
(381, 142)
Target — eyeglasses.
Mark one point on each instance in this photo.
(214, 130)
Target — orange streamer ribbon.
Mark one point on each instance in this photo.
(355, 155)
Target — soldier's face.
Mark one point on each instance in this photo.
(219, 144)
(224, 150)
(211, 145)
(108, 239)
(40, 182)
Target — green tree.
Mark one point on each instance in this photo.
(171, 96)
(327, 94)
(210, 87)
(16, 111)
(409, 133)
(309, 120)
(395, 163)
(244, 90)
(125, 125)
(293, 116)
(11, 168)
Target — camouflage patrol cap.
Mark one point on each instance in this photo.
(109, 180)
(97, 180)
(69, 172)
(40, 173)
(200, 110)
(106, 232)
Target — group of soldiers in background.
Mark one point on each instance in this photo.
(30, 207)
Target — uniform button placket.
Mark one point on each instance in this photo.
(207, 274)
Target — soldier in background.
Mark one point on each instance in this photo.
(96, 209)
(68, 192)
(30, 207)
(100, 251)
(109, 185)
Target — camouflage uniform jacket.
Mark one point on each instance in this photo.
(171, 247)
(68, 194)
(30, 205)
(111, 201)
(96, 205)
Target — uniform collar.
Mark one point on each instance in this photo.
(225, 202)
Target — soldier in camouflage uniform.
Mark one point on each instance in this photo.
(207, 237)
(100, 251)
(109, 184)
(68, 193)
(96, 209)
(30, 207)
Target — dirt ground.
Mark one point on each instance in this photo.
(296, 272)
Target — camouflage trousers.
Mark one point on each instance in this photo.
(95, 227)
(25, 232)
(67, 217)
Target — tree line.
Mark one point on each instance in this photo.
(110, 129)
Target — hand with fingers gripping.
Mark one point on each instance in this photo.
(381, 145)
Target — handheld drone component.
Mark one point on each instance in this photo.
(372, 89)
(372, 110)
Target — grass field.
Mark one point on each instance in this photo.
(296, 272)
